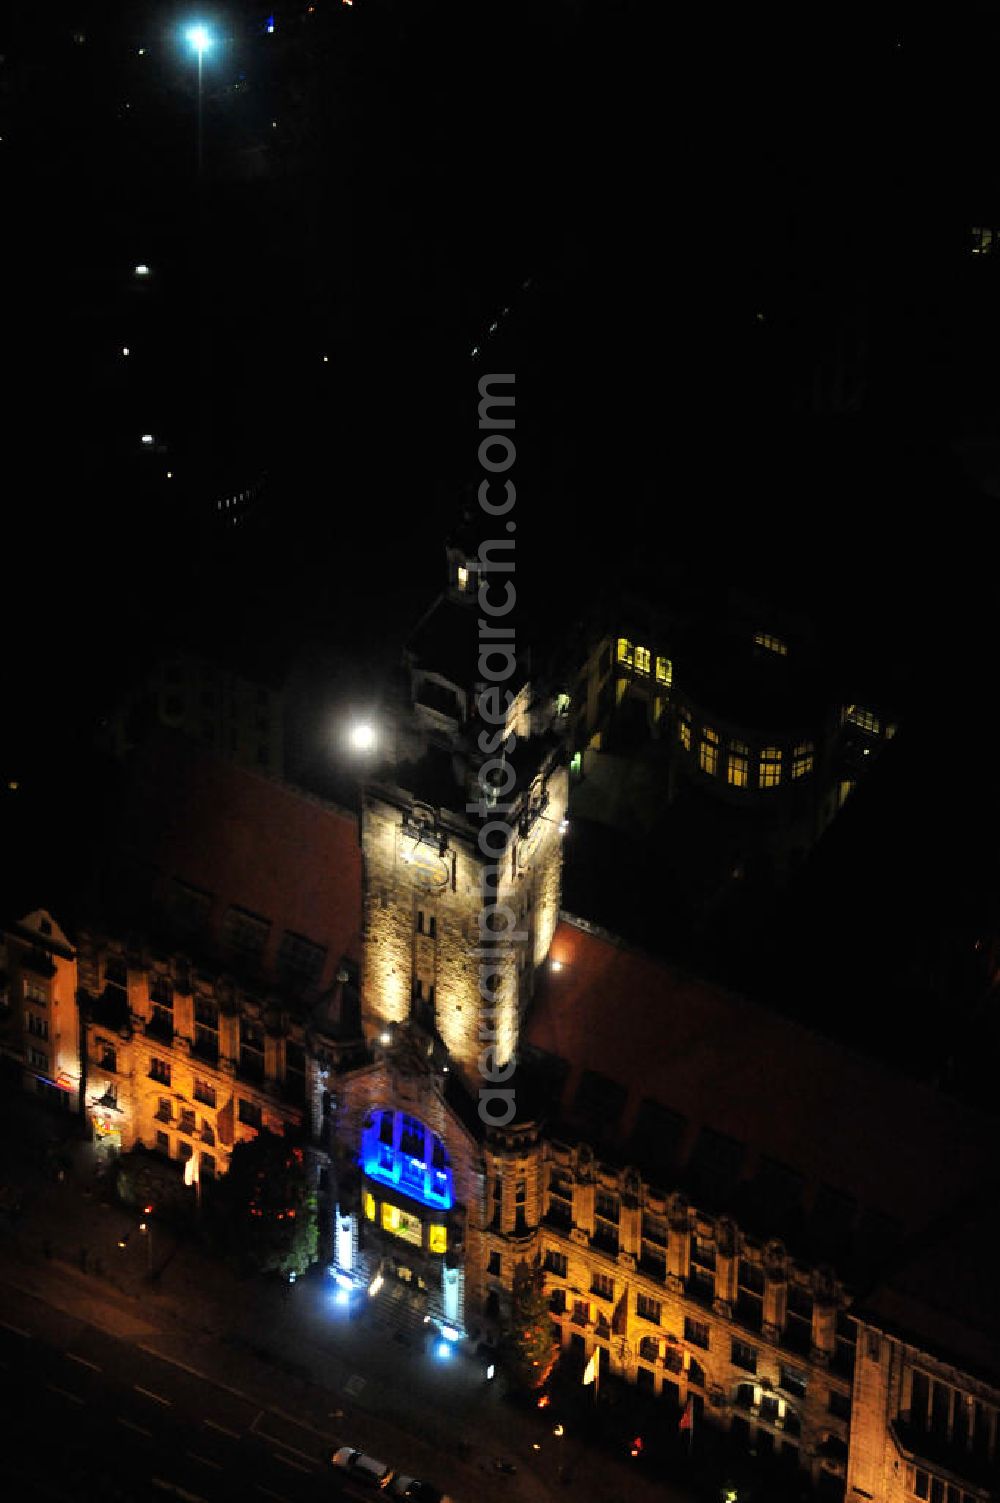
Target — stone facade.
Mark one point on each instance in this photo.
(683, 1303)
(425, 906)
(921, 1428)
(187, 1063)
(39, 1024)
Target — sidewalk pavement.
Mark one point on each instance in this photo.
(362, 1378)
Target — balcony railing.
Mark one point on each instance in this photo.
(939, 1453)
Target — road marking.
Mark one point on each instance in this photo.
(277, 1441)
(195, 1372)
(205, 1461)
(150, 1395)
(73, 1398)
(287, 1460)
(178, 1492)
(16, 1329)
(269, 1494)
(214, 1425)
(139, 1429)
(83, 1362)
(299, 1424)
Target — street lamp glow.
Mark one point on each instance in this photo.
(142, 270)
(199, 38)
(362, 737)
(147, 438)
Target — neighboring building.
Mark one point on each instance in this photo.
(215, 986)
(39, 1023)
(238, 714)
(926, 1402)
(734, 702)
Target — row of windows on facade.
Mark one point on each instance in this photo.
(244, 932)
(206, 1161)
(770, 759)
(641, 661)
(700, 1285)
(799, 1301)
(251, 1064)
(937, 1490)
(405, 1225)
(669, 1354)
(956, 1419)
(248, 1112)
(758, 1439)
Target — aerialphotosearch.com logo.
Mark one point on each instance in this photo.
(498, 932)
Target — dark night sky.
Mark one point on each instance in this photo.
(657, 182)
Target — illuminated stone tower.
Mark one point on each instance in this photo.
(439, 855)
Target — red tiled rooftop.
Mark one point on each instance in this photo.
(250, 842)
(772, 1084)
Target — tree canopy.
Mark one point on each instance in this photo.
(265, 1211)
(530, 1343)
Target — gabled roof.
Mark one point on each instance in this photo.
(40, 928)
(749, 1112)
(247, 842)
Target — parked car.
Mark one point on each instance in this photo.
(361, 1468)
(417, 1492)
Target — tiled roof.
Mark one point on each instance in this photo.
(250, 843)
(944, 1293)
(740, 1105)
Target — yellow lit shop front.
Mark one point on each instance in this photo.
(399, 1226)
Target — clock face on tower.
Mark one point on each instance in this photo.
(419, 853)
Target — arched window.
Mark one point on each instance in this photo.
(400, 1151)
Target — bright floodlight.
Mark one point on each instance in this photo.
(200, 38)
(362, 737)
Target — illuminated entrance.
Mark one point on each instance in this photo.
(402, 1228)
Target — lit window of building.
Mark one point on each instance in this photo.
(369, 1206)
(401, 1224)
(738, 764)
(865, 720)
(769, 767)
(664, 671)
(802, 759)
(708, 751)
(984, 240)
(437, 1239)
(684, 728)
(625, 651)
(463, 577)
(844, 791)
(642, 660)
(770, 643)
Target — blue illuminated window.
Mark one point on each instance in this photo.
(399, 1151)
